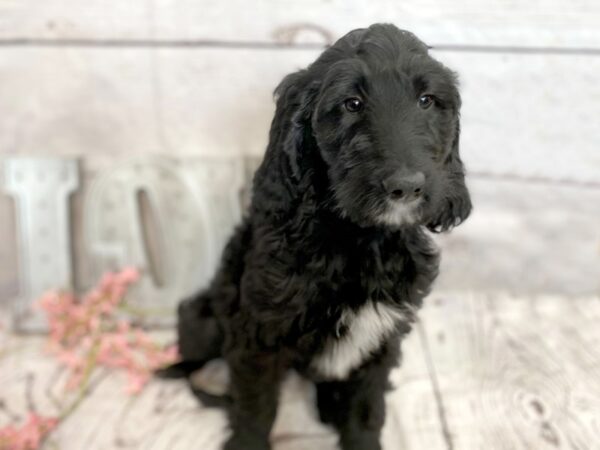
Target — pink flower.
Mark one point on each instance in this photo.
(29, 436)
(129, 275)
(94, 296)
(108, 280)
(123, 326)
(70, 359)
(91, 332)
(136, 382)
(117, 293)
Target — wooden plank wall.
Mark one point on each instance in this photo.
(106, 81)
(557, 23)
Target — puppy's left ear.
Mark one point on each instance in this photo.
(294, 107)
(291, 147)
(456, 205)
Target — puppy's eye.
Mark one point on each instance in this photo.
(353, 104)
(426, 101)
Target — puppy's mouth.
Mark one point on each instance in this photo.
(401, 212)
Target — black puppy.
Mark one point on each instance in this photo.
(327, 270)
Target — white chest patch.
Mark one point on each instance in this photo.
(366, 329)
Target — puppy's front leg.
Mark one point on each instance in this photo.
(356, 407)
(254, 388)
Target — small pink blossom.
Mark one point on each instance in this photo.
(107, 280)
(91, 332)
(129, 275)
(29, 436)
(136, 381)
(86, 333)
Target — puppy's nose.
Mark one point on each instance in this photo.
(402, 185)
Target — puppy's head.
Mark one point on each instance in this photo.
(382, 118)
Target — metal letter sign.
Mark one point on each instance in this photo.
(168, 218)
(41, 188)
(192, 208)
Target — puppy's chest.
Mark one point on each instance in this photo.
(373, 294)
(357, 335)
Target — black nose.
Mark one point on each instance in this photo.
(404, 185)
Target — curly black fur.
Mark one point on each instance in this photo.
(327, 245)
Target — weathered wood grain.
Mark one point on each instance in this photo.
(512, 373)
(8, 248)
(517, 373)
(525, 238)
(413, 421)
(522, 114)
(108, 105)
(165, 416)
(496, 22)
(116, 104)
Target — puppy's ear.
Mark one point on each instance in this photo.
(291, 146)
(295, 100)
(456, 205)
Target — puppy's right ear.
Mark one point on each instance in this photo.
(291, 143)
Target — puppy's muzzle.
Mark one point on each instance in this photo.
(404, 185)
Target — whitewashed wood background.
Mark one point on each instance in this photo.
(106, 81)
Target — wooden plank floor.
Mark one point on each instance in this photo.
(481, 371)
